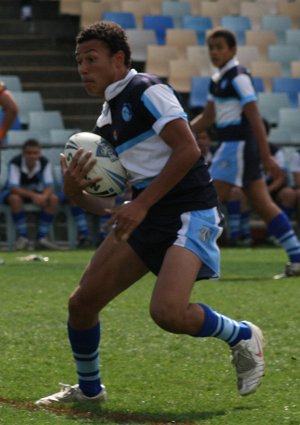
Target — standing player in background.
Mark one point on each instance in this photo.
(9, 114)
(233, 109)
(170, 226)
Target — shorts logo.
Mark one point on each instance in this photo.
(204, 234)
(224, 164)
(126, 112)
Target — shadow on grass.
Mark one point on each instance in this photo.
(246, 279)
(98, 415)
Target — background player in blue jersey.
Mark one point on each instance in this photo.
(232, 108)
(170, 227)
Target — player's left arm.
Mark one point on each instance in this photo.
(184, 154)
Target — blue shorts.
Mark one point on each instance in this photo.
(197, 231)
(237, 163)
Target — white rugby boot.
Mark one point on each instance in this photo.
(71, 394)
(248, 359)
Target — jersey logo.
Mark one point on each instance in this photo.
(223, 84)
(127, 112)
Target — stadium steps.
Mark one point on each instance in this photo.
(56, 89)
(36, 58)
(19, 42)
(41, 52)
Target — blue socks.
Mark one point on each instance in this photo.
(20, 223)
(81, 222)
(218, 326)
(45, 221)
(281, 228)
(85, 347)
(233, 219)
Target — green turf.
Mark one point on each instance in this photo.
(152, 377)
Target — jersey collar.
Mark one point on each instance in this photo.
(115, 88)
(230, 64)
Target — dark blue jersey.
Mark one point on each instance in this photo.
(136, 110)
(230, 89)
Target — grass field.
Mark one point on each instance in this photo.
(152, 377)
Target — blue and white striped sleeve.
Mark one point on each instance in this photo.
(162, 103)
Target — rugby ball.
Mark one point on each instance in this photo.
(108, 166)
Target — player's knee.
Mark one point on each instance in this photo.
(79, 309)
(165, 317)
(53, 201)
(15, 200)
(75, 305)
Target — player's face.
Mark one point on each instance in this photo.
(98, 67)
(219, 51)
(31, 155)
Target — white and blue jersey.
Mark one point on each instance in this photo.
(35, 180)
(135, 112)
(237, 160)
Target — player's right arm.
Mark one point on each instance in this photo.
(204, 120)
(75, 182)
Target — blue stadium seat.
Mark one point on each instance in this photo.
(61, 135)
(19, 137)
(238, 24)
(292, 36)
(199, 92)
(277, 23)
(45, 120)
(16, 125)
(177, 10)
(139, 39)
(159, 24)
(288, 85)
(269, 104)
(28, 101)
(289, 120)
(200, 24)
(12, 82)
(259, 84)
(284, 54)
(125, 19)
(279, 136)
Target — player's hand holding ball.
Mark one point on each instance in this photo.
(75, 180)
(106, 165)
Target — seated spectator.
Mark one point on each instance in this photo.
(30, 180)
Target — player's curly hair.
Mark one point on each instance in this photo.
(220, 32)
(110, 33)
